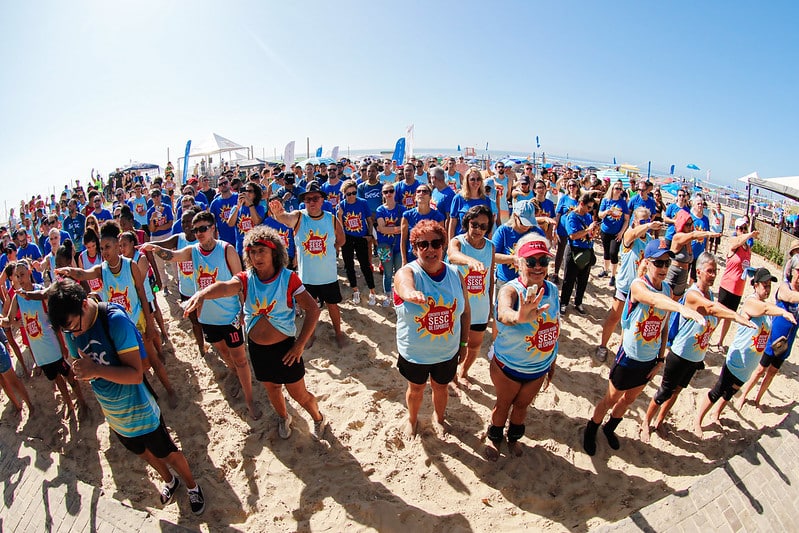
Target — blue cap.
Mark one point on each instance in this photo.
(657, 248)
(525, 210)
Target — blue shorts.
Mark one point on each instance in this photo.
(519, 377)
(5, 360)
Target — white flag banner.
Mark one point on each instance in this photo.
(288, 154)
(409, 142)
(334, 153)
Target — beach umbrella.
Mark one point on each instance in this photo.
(317, 161)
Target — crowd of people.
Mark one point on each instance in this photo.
(461, 252)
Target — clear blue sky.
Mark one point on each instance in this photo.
(95, 84)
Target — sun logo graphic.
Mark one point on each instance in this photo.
(649, 328)
(206, 277)
(32, 325)
(702, 339)
(760, 338)
(264, 309)
(245, 223)
(545, 337)
(408, 200)
(353, 222)
(95, 284)
(437, 319)
(225, 212)
(333, 198)
(475, 282)
(186, 268)
(119, 297)
(284, 237)
(315, 243)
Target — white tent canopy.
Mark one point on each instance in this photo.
(213, 144)
(786, 186)
(751, 175)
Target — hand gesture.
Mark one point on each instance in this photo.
(195, 303)
(656, 225)
(693, 315)
(293, 355)
(529, 304)
(276, 207)
(84, 368)
(416, 297)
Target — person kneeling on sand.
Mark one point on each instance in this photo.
(107, 350)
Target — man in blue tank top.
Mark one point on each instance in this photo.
(318, 236)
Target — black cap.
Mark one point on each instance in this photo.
(761, 275)
(313, 186)
(10, 247)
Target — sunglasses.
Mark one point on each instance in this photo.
(645, 221)
(435, 244)
(312, 199)
(661, 263)
(223, 183)
(352, 193)
(477, 225)
(532, 262)
(388, 191)
(475, 180)
(201, 229)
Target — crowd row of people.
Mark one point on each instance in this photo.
(461, 254)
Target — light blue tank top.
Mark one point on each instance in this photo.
(148, 290)
(209, 269)
(431, 333)
(316, 249)
(747, 347)
(642, 325)
(121, 289)
(186, 284)
(95, 285)
(477, 283)
(530, 347)
(692, 340)
(270, 300)
(42, 338)
(630, 259)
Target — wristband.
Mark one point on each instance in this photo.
(463, 345)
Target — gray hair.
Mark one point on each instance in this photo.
(704, 259)
(437, 172)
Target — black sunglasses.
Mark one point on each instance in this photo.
(435, 243)
(201, 229)
(532, 262)
(661, 263)
(477, 225)
(388, 191)
(352, 193)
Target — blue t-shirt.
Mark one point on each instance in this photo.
(414, 217)
(613, 222)
(130, 410)
(547, 206)
(353, 217)
(700, 224)
(671, 212)
(76, 227)
(636, 202)
(505, 239)
(405, 195)
(373, 194)
(576, 222)
(332, 192)
(442, 200)
(221, 208)
(293, 202)
(103, 215)
(392, 220)
(461, 205)
(160, 217)
(32, 252)
(565, 205)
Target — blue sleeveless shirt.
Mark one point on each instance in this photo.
(272, 300)
(121, 289)
(42, 338)
(642, 326)
(630, 259)
(316, 249)
(747, 347)
(209, 269)
(477, 283)
(692, 340)
(186, 284)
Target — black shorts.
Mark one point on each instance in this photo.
(442, 373)
(677, 373)
(329, 293)
(772, 360)
(610, 247)
(729, 300)
(158, 442)
(232, 335)
(726, 386)
(478, 327)
(632, 375)
(267, 362)
(52, 370)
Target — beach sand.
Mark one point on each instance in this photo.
(366, 476)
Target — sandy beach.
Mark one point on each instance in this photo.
(366, 477)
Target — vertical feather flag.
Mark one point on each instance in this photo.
(671, 171)
(186, 160)
(319, 152)
(399, 151)
(537, 142)
(614, 160)
(288, 154)
(409, 141)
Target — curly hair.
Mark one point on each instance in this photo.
(260, 235)
(427, 226)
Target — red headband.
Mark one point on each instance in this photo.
(263, 242)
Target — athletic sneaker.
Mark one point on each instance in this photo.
(284, 427)
(372, 299)
(356, 297)
(601, 353)
(562, 309)
(168, 490)
(580, 309)
(386, 302)
(319, 427)
(197, 500)
(602, 274)
(612, 281)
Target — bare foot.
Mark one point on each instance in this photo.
(464, 382)
(255, 413)
(739, 404)
(645, 432)
(341, 340)
(454, 388)
(715, 418)
(491, 451)
(441, 429)
(516, 448)
(235, 388)
(662, 430)
(409, 430)
(700, 434)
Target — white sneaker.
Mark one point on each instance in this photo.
(386, 302)
(284, 427)
(356, 297)
(319, 427)
(372, 299)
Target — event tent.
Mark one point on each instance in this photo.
(786, 186)
(213, 144)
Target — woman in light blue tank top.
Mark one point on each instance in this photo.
(787, 297)
(474, 256)
(526, 345)
(644, 335)
(433, 320)
(746, 348)
(688, 342)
